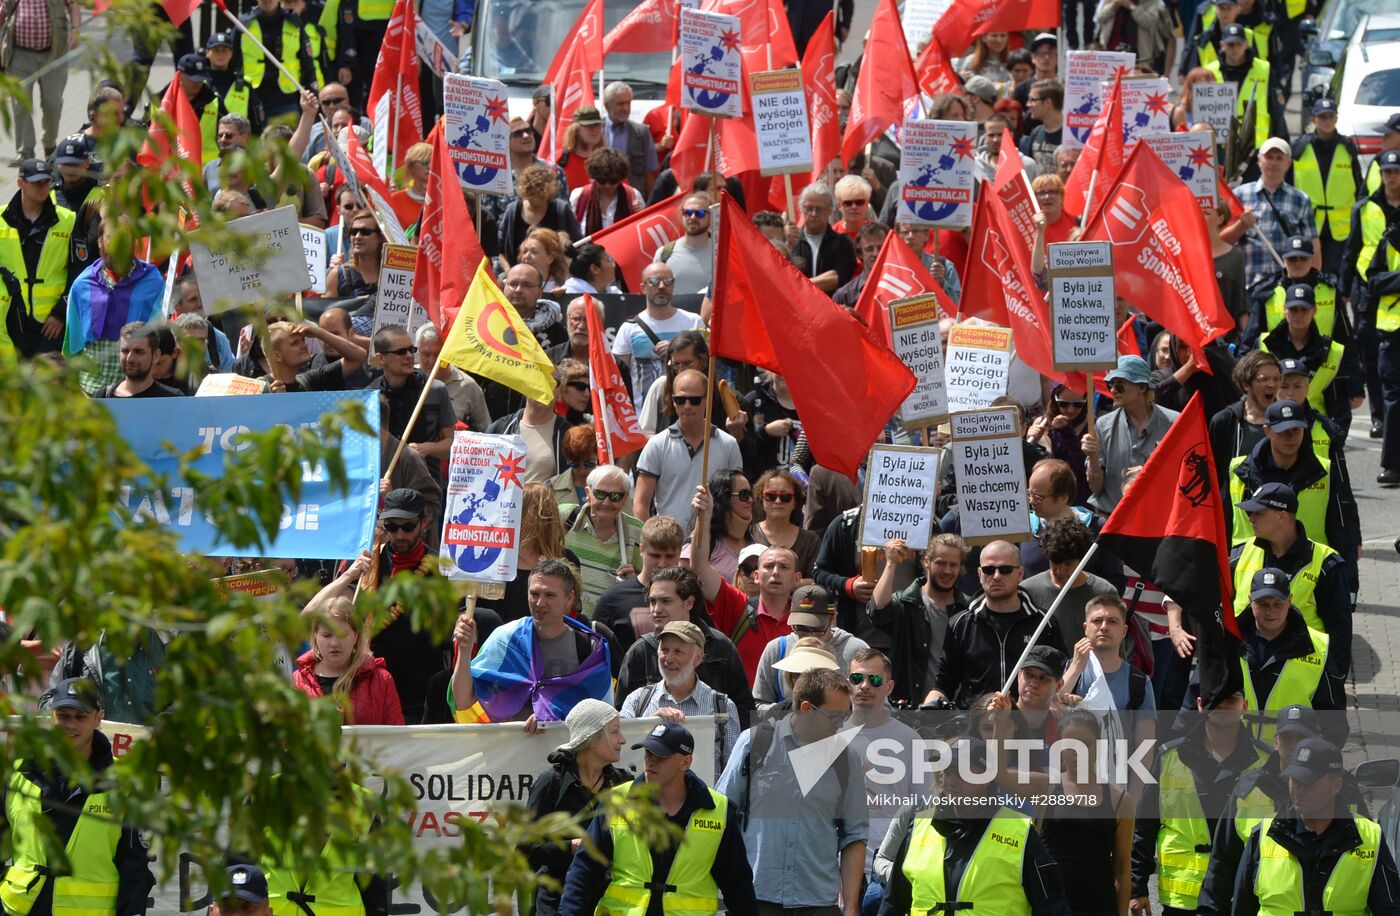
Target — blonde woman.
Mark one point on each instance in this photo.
(340, 665)
(407, 202)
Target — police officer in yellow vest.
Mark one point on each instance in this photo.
(1214, 20)
(246, 894)
(1373, 259)
(106, 871)
(1336, 385)
(1249, 71)
(235, 95)
(1286, 661)
(356, 29)
(969, 852)
(1390, 140)
(285, 37)
(1320, 858)
(1176, 818)
(1268, 295)
(1327, 168)
(338, 886)
(1322, 434)
(688, 879)
(36, 246)
(1318, 584)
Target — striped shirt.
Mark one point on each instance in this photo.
(599, 559)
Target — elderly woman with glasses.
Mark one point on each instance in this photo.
(592, 532)
(1053, 224)
(853, 200)
(607, 197)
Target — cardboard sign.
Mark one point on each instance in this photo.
(901, 487)
(979, 359)
(477, 125)
(780, 121)
(313, 246)
(1085, 74)
(935, 173)
(274, 266)
(918, 18)
(1081, 306)
(710, 48)
(387, 219)
(991, 473)
(1147, 107)
(484, 498)
(914, 339)
(265, 586)
(394, 303)
(438, 57)
(225, 384)
(1214, 104)
(1191, 155)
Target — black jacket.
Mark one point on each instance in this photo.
(1231, 436)
(32, 235)
(834, 253)
(1348, 382)
(1363, 293)
(911, 638)
(558, 789)
(1318, 854)
(1261, 292)
(979, 658)
(1266, 659)
(721, 669)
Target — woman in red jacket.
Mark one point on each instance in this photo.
(340, 665)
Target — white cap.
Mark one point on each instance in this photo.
(1274, 143)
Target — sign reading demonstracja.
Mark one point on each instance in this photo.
(935, 173)
(780, 121)
(274, 265)
(476, 122)
(991, 474)
(979, 359)
(914, 339)
(1081, 305)
(481, 520)
(901, 486)
(710, 48)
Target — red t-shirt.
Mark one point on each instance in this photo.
(729, 606)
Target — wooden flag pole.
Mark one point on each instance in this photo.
(412, 419)
(1089, 395)
(710, 371)
(791, 204)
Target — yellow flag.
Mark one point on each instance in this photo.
(489, 338)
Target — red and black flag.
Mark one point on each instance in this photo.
(1170, 526)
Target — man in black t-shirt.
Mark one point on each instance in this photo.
(136, 350)
(288, 358)
(431, 435)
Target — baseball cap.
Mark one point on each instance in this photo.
(1313, 759)
(1390, 159)
(219, 40)
(1232, 34)
(585, 722)
(1047, 659)
(1278, 496)
(1129, 369)
(1300, 296)
(35, 170)
(1324, 106)
(1292, 365)
(402, 503)
(1275, 143)
(587, 115)
(1283, 416)
(1269, 583)
(806, 658)
(541, 93)
(71, 151)
(751, 552)
(1044, 38)
(810, 606)
(1226, 2)
(666, 740)
(1392, 123)
(1298, 720)
(983, 88)
(78, 693)
(969, 751)
(686, 630)
(195, 66)
(247, 883)
(1296, 246)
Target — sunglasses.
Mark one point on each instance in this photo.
(394, 527)
(586, 465)
(607, 181)
(338, 100)
(777, 496)
(748, 570)
(1003, 570)
(1069, 405)
(578, 386)
(876, 680)
(808, 631)
(744, 496)
(609, 496)
(695, 214)
(363, 232)
(401, 351)
(522, 132)
(1117, 387)
(692, 400)
(661, 281)
(854, 203)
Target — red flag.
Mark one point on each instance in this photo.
(765, 39)
(573, 89)
(447, 260)
(588, 34)
(898, 272)
(613, 416)
(1170, 525)
(159, 153)
(649, 28)
(819, 81)
(1103, 153)
(177, 10)
(736, 147)
(845, 386)
(1227, 196)
(394, 107)
(966, 19)
(1014, 189)
(999, 285)
(364, 169)
(634, 241)
(1127, 346)
(934, 71)
(1161, 252)
(883, 85)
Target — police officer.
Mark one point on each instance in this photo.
(1267, 296)
(1286, 661)
(1327, 168)
(1390, 140)
(1318, 585)
(36, 246)
(235, 95)
(355, 29)
(79, 189)
(1321, 858)
(286, 39)
(339, 887)
(639, 877)
(1372, 267)
(1214, 19)
(1336, 385)
(246, 894)
(1326, 438)
(970, 853)
(1241, 64)
(107, 869)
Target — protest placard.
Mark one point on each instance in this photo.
(918, 18)
(265, 585)
(979, 359)
(481, 518)
(437, 56)
(991, 476)
(476, 123)
(1191, 155)
(313, 247)
(223, 384)
(935, 173)
(267, 263)
(1081, 306)
(901, 487)
(385, 216)
(1085, 73)
(710, 63)
(394, 303)
(1147, 106)
(914, 339)
(1214, 104)
(780, 122)
(324, 522)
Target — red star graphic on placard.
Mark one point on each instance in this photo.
(964, 148)
(1157, 103)
(729, 39)
(1202, 156)
(509, 470)
(496, 110)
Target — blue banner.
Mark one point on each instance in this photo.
(323, 524)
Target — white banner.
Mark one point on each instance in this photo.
(979, 359)
(394, 302)
(438, 57)
(313, 247)
(275, 266)
(780, 122)
(481, 518)
(1085, 73)
(1191, 155)
(901, 487)
(991, 474)
(935, 173)
(477, 125)
(1081, 305)
(914, 338)
(710, 50)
